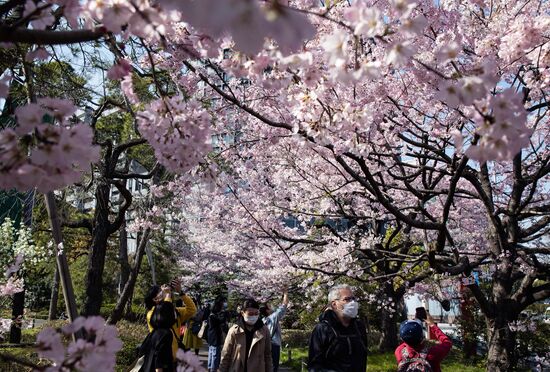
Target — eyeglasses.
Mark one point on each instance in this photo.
(347, 299)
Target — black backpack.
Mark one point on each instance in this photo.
(347, 337)
(197, 322)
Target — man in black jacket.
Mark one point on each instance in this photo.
(339, 341)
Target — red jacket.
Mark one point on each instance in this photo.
(436, 353)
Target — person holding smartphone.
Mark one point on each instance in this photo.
(413, 354)
(156, 295)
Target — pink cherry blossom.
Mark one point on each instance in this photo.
(29, 117)
(127, 87)
(367, 20)
(119, 70)
(41, 18)
(400, 53)
(179, 147)
(336, 47)
(12, 286)
(14, 268)
(37, 54)
(448, 52)
(96, 352)
(49, 345)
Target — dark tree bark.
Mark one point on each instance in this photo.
(98, 250)
(502, 344)
(18, 306)
(128, 290)
(388, 323)
(123, 252)
(469, 335)
(389, 318)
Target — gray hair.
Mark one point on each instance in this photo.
(334, 292)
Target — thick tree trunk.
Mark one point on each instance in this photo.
(118, 311)
(18, 307)
(389, 340)
(467, 323)
(52, 312)
(502, 344)
(98, 250)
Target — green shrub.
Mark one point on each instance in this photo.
(131, 335)
(295, 338)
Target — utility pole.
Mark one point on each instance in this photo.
(61, 258)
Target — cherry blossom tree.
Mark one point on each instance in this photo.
(435, 111)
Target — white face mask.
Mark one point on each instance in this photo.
(250, 319)
(351, 309)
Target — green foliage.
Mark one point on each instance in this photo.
(382, 362)
(131, 334)
(24, 353)
(55, 79)
(295, 338)
(18, 241)
(75, 246)
(165, 269)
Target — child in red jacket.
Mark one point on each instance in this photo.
(414, 352)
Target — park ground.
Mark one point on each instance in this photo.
(132, 333)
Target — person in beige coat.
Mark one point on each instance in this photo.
(247, 347)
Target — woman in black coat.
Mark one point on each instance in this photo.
(157, 347)
(217, 328)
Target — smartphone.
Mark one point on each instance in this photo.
(421, 313)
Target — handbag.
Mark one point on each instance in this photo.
(142, 362)
(181, 345)
(204, 326)
(137, 365)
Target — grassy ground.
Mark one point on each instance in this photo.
(131, 335)
(378, 362)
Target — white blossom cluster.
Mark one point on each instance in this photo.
(18, 242)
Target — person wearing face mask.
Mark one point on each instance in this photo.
(339, 341)
(247, 346)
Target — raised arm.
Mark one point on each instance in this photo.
(442, 348)
(188, 311)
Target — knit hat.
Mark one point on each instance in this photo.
(411, 332)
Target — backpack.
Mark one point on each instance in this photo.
(197, 322)
(417, 364)
(337, 337)
(196, 327)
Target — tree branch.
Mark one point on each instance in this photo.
(121, 214)
(46, 37)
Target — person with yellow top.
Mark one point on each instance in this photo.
(164, 293)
